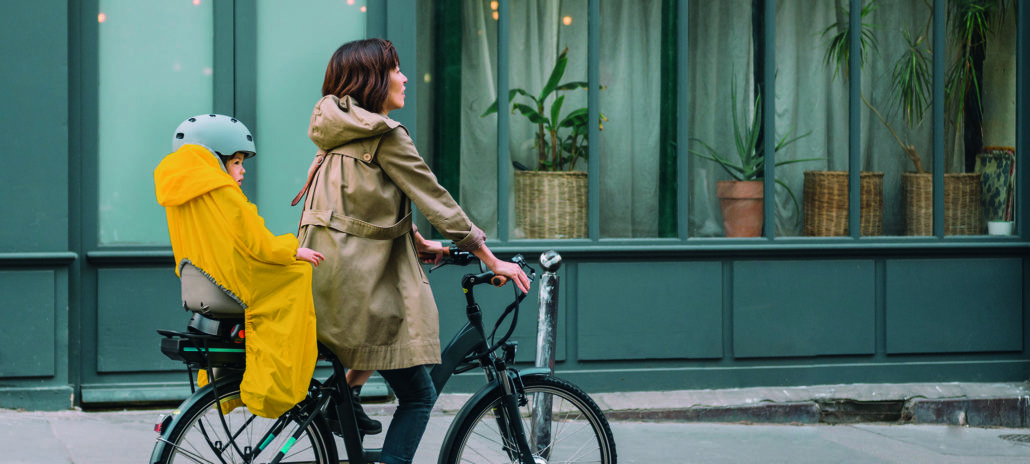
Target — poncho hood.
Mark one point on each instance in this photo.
(187, 173)
(337, 121)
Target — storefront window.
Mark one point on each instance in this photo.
(549, 52)
(466, 86)
(168, 77)
(890, 144)
(632, 144)
(721, 75)
(294, 44)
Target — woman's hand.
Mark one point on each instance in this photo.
(512, 271)
(309, 255)
(429, 251)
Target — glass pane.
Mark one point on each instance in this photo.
(812, 118)
(989, 128)
(631, 143)
(897, 121)
(721, 77)
(146, 89)
(550, 202)
(422, 80)
(294, 43)
(466, 85)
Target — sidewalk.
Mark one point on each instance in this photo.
(973, 404)
(127, 436)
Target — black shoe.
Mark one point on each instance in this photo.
(366, 425)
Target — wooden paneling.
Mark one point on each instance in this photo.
(132, 303)
(954, 305)
(653, 310)
(29, 325)
(803, 308)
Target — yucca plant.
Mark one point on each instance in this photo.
(748, 163)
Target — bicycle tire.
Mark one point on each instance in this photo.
(196, 436)
(579, 431)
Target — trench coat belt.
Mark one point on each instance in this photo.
(354, 226)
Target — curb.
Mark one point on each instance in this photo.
(975, 412)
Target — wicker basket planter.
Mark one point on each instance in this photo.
(825, 203)
(551, 204)
(742, 207)
(962, 213)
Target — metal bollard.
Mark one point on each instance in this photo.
(546, 336)
(546, 324)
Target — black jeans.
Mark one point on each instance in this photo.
(416, 396)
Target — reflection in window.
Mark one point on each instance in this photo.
(146, 88)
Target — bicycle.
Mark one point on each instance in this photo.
(519, 416)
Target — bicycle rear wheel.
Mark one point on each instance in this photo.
(199, 436)
(573, 428)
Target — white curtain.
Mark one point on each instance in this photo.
(807, 100)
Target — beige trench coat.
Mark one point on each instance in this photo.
(373, 302)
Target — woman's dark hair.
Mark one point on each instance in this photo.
(361, 69)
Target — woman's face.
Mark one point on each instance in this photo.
(235, 168)
(395, 99)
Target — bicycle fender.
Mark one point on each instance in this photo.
(186, 405)
(484, 392)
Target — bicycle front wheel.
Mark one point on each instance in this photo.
(200, 436)
(563, 425)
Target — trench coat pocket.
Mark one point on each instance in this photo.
(354, 226)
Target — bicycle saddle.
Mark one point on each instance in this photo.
(201, 294)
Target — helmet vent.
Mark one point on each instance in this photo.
(180, 135)
(192, 119)
(249, 138)
(233, 120)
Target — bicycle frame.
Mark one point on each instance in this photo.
(468, 349)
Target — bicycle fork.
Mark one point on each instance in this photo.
(508, 416)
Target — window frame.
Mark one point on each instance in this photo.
(674, 206)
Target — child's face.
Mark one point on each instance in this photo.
(235, 168)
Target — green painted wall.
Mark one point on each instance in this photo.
(80, 317)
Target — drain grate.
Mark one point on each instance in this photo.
(1017, 437)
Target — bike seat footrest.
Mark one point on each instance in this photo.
(203, 351)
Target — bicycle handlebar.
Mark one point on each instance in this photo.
(456, 256)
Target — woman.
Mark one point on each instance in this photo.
(373, 302)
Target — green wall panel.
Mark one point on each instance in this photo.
(803, 308)
(34, 126)
(954, 305)
(30, 315)
(450, 302)
(131, 305)
(652, 310)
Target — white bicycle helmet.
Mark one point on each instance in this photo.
(221, 134)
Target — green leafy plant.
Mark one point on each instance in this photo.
(748, 162)
(559, 141)
(970, 23)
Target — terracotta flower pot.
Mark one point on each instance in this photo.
(742, 207)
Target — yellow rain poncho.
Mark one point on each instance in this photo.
(212, 225)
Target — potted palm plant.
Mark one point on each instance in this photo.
(551, 198)
(741, 200)
(970, 23)
(826, 193)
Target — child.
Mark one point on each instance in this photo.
(213, 227)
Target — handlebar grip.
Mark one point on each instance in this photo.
(498, 281)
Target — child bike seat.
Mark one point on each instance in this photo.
(201, 294)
